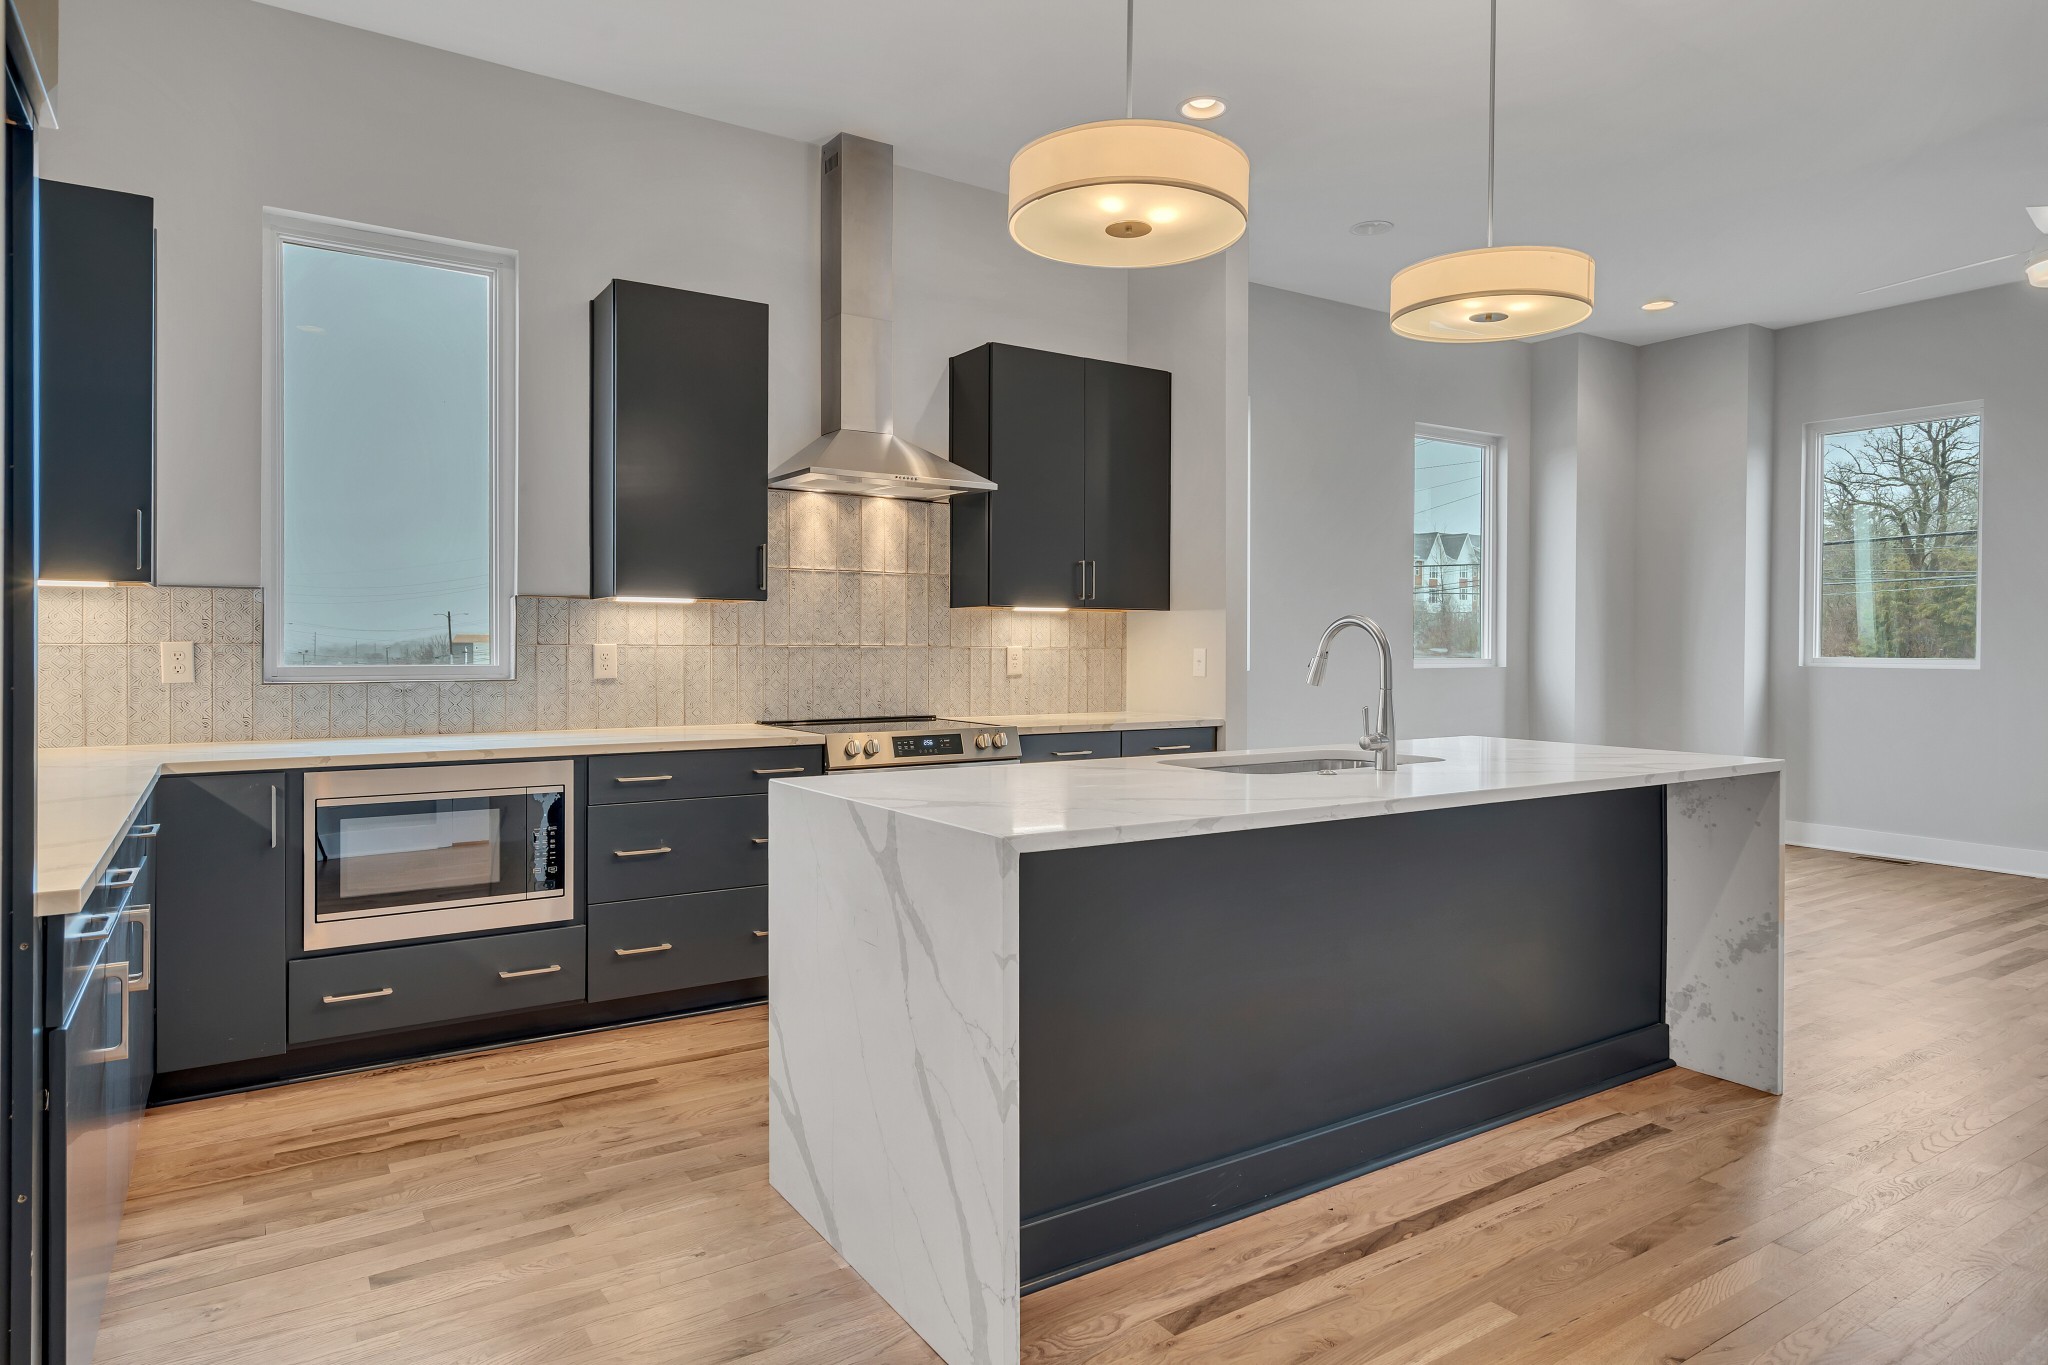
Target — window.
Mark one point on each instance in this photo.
(1892, 571)
(1455, 520)
(389, 482)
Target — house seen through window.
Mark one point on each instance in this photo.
(1453, 510)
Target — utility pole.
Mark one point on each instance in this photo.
(449, 616)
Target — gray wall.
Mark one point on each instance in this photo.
(1582, 532)
(1951, 759)
(1335, 399)
(217, 108)
(1191, 319)
(1702, 541)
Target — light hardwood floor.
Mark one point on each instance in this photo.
(604, 1199)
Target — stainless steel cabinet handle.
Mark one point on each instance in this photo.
(145, 831)
(761, 842)
(1170, 748)
(120, 878)
(360, 995)
(760, 933)
(116, 972)
(651, 777)
(139, 556)
(276, 800)
(106, 929)
(636, 952)
(143, 980)
(1091, 580)
(1072, 753)
(761, 568)
(531, 971)
(777, 772)
(1080, 580)
(641, 852)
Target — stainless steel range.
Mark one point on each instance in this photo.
(907, 741)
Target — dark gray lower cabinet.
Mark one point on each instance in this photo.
(1067, 748)
(222, 919)
(660, 848)
(98, 1062)
(671, 943)
(430, 983)
(1144, 743)
(617, 778)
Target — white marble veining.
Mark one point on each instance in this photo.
(893, 1052)
(1077, 722)
(86, 799)
(1034, 806)
(892, 1059)
(1724, 976)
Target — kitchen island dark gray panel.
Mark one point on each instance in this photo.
(1248, 1011)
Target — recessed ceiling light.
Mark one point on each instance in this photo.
(1659, 305)
(1371, 227)
(1202, 106)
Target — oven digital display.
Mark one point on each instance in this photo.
(926, 746)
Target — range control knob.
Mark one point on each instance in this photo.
(1002, 740)
(981, 741)
(871, 748)
(852, 748)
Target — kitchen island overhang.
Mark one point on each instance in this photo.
(1228, 990)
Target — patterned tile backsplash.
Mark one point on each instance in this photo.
(856, 623)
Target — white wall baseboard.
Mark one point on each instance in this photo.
(1878, 843)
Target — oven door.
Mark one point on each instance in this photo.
(385, 865)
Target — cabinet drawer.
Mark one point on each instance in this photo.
(1144, 743)
(428, 983)
(671, 943)
(619, 778)
(668, 848)
(1063, 748)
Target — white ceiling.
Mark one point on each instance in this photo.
(1758, 160)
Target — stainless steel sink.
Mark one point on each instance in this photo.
(1330, 764)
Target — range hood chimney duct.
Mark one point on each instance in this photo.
(860, 452)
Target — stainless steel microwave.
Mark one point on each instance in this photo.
(393, 854)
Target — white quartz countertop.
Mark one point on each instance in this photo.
(1078, 722)
(1034, 806)
(86, 799)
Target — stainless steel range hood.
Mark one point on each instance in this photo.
(859, 453)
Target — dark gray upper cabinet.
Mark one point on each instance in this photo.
(678, 444)
(1081, 452)
(98, 392)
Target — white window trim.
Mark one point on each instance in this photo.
(1493, 581)
(502, 269)
(1811, 465)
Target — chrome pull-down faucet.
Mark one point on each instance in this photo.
(1379, 743)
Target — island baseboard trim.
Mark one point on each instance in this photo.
(1060, 1245)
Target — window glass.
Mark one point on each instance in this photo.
(1452, 487)
(1898, 541)
(387, 458)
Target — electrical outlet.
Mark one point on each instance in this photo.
(1201, 665)
(1013, 661)
(174, 661)
(604, 662)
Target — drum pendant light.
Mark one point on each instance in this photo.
(1129, 192)
(1494, 293)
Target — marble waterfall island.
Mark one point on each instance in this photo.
(1031, 1019)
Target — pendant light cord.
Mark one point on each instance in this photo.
(1492, 87)
(1130, 41)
